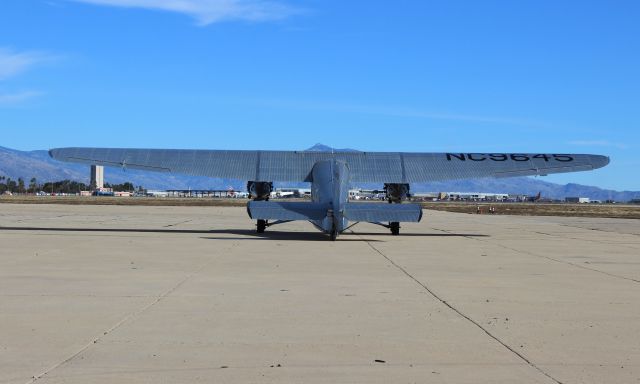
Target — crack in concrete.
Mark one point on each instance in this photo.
(178, 223)
(462, 314)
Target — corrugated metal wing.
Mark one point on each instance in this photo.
(290, 166)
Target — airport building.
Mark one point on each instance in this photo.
(97, 177)
(577, 200)
(476, 196)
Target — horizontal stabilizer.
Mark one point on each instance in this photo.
(380, 212)
(268, 210)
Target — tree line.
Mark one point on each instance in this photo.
(64, 186)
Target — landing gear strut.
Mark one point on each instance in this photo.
(395, 228)
(262, 225)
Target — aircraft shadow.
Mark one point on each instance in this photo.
(249, 233)
(116, 230)
(279, 235)
(425, 234)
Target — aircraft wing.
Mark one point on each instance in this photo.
(296, 166)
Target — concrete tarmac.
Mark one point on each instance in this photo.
(126, 294)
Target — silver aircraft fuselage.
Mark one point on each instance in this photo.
(330, 186)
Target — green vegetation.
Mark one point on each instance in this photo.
(57, 187)
(124, 187)
(64, 186)
(13, 186)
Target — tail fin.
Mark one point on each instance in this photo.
(268, 210)
(379, 212)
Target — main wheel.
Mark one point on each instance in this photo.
(395, 228)
(333, 235)
(262, 225)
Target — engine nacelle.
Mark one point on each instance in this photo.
(396, 193)
(260, 190)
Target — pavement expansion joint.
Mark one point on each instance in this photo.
(571, 264)
(589, 240)
(130, 317)
(596, 229)
(87, 295)
(552, 258)
(461, 314)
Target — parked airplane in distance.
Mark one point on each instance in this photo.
(331, 175)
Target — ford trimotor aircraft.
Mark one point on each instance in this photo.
(331, 175)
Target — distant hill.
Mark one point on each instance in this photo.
(38, 164)
(529, 186)
(325, 148)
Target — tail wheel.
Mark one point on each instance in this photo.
(262, 225)
(395, 228)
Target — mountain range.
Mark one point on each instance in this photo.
(27, 164)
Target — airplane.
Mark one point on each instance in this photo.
(536, 198)
(331, 175)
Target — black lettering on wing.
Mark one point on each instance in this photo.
(498, 157)
(459, 156)
(476, 156)
(519, 157)
(563, 158)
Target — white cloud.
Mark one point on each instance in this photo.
(401, 111)
(13, 63)
(16, 98)
(209, 11)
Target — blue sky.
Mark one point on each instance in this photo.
(479, 76)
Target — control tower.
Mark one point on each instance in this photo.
(97, 177)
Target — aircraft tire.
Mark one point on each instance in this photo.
(333, 235)
(395, 228)
(262, 225)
